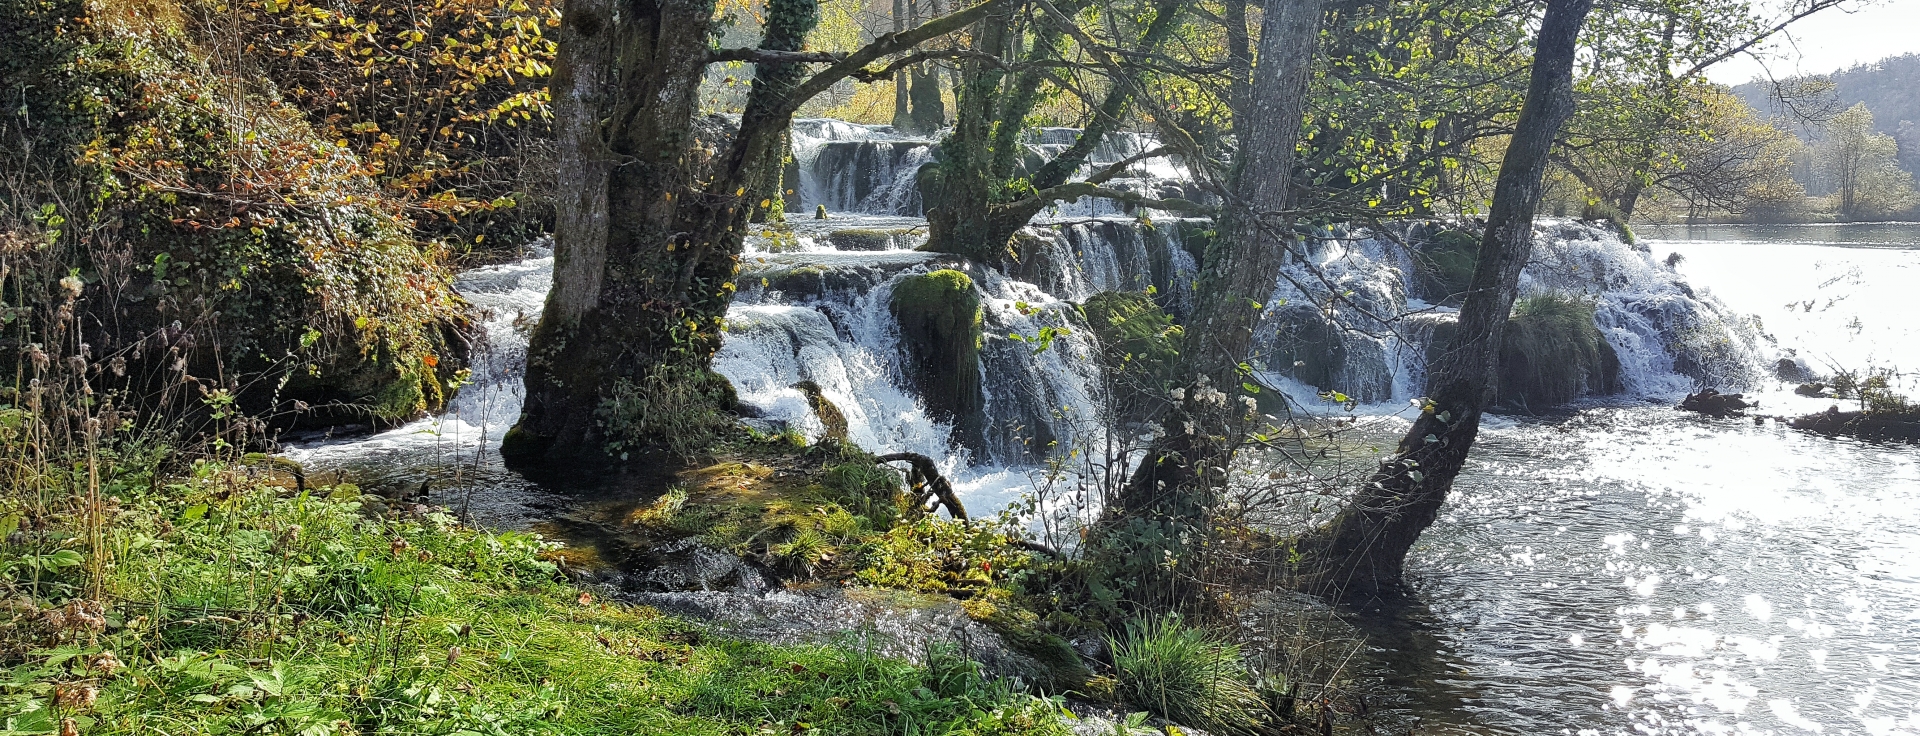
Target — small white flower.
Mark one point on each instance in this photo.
(1248, 402)
(1178, 394)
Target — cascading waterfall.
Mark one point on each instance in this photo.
(814, 305)
(1351, 302)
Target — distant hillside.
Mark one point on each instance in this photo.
(1890, 87)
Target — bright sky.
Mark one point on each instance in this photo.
(1856, 32)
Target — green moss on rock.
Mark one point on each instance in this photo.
(1139, 345)
(862, 239)
(1445, 266)
(1553, 354)
(939, 318)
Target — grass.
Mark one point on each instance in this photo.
(1554, 354)
(1186, 675)
(228, 605)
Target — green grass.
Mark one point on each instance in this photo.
(1186, 675)
(237, 607)
(1554, 354)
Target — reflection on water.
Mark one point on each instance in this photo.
(1630, 570)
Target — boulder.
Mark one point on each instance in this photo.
(1715, 404)
(940, 333)
(1793, 370)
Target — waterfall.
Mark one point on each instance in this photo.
(858, 168)
(813, 305)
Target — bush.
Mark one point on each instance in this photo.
(1186, 675)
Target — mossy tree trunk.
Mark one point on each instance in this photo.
(648, 237)
(1362, 552)
(974, 212)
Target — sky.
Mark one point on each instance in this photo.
(1857, 32)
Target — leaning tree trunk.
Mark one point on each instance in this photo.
(647, 235)
(1361, 553)
(1173, 489)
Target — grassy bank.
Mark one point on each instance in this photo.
(221, 603)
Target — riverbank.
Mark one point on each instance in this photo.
(227, 601)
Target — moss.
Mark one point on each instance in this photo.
(1553, 354)
(1445, 266)
(939, 318)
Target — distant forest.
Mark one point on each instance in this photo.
(1890, 88)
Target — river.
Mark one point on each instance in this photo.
(1632, 569)
(1619, 567)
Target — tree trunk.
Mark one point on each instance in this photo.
(972, 218)
(1361, 553)
(1174, 486)
(647, 234)
(902, 113)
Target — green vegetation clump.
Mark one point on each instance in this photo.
(1445, 265)
(200, 215)
(1554, 354)
(939, 318)
(1187, 675)
(1139, 347)
(217, 603)
(684, 407)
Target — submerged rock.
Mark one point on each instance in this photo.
(688, 565)
(1715, 404)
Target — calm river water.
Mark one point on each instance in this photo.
(1639, 570)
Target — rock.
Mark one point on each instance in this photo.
(861, 239)
(1138, 347)
(833, 422)
(1444, 264)
(1715, 404)
(688, 565)
(894, 623)
(1865, 425)
(1553, 354)
(1815, 390)
(1793, 370)
(939, 318)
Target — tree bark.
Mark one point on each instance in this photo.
(902, 114)
(1181, 473)
(649, 228)
(648, 233)
(1361, 554)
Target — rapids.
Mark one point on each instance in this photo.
(1616, 567)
